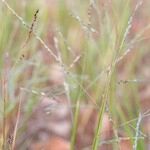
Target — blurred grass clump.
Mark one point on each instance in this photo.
(90, 53)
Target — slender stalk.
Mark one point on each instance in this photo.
(75, 123)
(4, 110)
(99, 125)
(16, 125)
(137, 132)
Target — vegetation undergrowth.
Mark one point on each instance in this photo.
(86, 55)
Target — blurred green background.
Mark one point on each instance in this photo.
(99, 64)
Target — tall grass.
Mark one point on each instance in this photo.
(94, 44)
